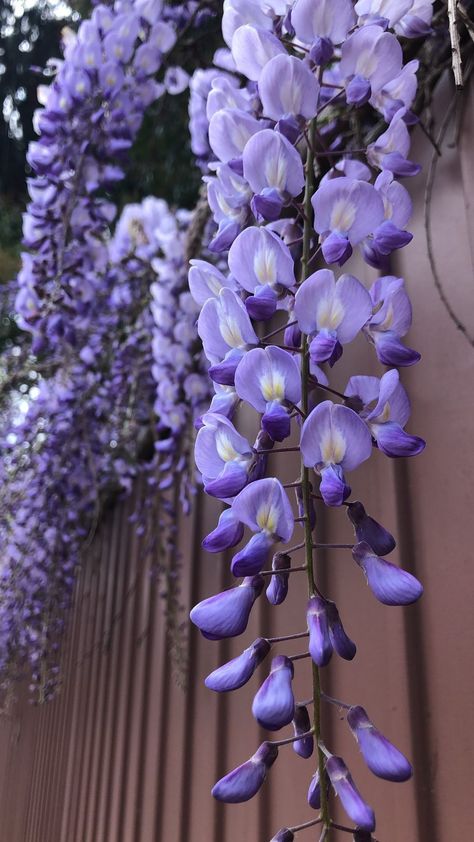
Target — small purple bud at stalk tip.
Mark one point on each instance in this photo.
(314, 792)
(382, 758)
(226, 614)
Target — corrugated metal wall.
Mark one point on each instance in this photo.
(124, 755)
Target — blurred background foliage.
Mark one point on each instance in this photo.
(162, 163)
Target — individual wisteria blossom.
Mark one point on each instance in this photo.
(244, 782)
(354, 805)
(226, 332)
(390, 150)
(390, 584)
(269, 379)
(332, 312)
(224, 457)
(261, 263)
(227, 614)
(310, 133)
(264, 507)
(346, 210)
(274, 704)
(382, 758)
(237, 672)
(369, 59)
(274, 171)
(252, 48)
(386, 410)
(334, 440)
(390, 321)
(287, 88)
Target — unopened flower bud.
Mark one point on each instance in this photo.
(389, 584)
(244, 782)
(277, 589)
(351, 799)
(301, 725)
(274, 704)
(382, 758)
(239, 670)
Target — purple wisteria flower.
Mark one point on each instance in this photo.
(269, 379)
(346, 211)
(288, 89)
(274, 704)
(304, 747)
(226, 332)
(369, 59)
(382, 758)
(390, 321)
(264, 507)
(229, 131)
(369, 530)
(244, 782)
(323, 24)
(391, 234)
(224, 457)
(226, 614)
(353, 803)
(326, 632)
(390, 150)
(277, 589)
(274, 171)
(262, 264)
(206, 281)
(332, 312)
(386, 410)
(390, 584)
(333, 440)
(228, 533)
(252, 48)
(239, 670)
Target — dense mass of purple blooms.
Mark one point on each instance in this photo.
(294, 194)
(294, 191)
(122, 374)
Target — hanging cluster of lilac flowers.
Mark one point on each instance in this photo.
(295, 187)
(91, 426)
(91, 116)
(101, 309)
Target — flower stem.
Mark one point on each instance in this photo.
(305, 480)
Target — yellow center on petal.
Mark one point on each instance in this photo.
(225, 449)
(343, 215)
(330, 313)
(230, 332)
(267, 517)
(333, 447)
(272, 384)
(387, 322)
(385, 416)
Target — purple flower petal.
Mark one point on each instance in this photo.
(239, 670)
(320, 647)
(369, 530)
(351, 799)
(227, 613)
(253, 557)
(382, 758)
(277, 589)
(391, 585)
(227, 533)
(271, 161)
(244, 782)
(287, 87)
(274, 704)
(301, 725)
(264, 506)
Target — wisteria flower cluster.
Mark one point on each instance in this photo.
(91, 116)
(112, 320)
(295, 191)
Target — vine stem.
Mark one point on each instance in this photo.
(305, 480)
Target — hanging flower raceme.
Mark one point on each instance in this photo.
(292, 190)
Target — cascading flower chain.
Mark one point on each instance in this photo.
(294, 190)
